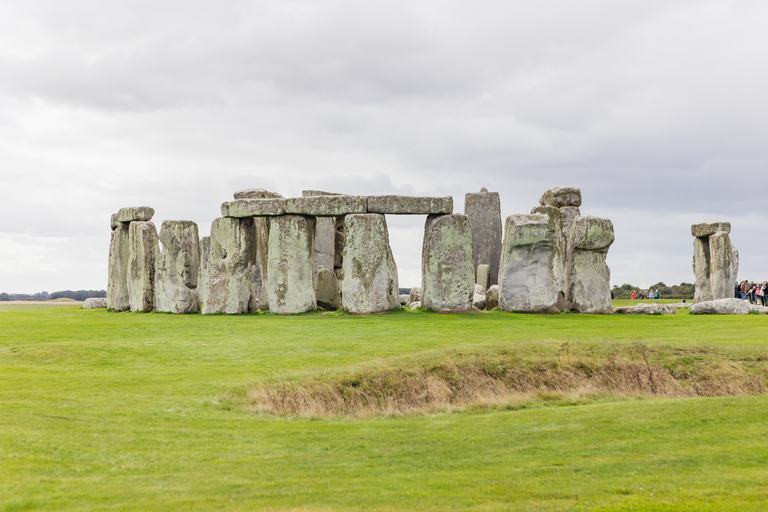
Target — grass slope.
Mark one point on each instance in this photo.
(103, 411)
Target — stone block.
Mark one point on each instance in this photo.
(113, 222)
(325, 206)
(589, 277)
(256, 193)
(492, 297)
(178, 268)
(415, 295)
(447, 264)
(202, 279)
(724, 265)
(730, 306)
(95, 303)
(327, 290)
(310, 193)
(117, 285)
(243, 208)
(142, 259)
(483, 275)
(135, 213)
(484, 212)
(710, 228)
(410, 205)
(291, 264)
(561, 196)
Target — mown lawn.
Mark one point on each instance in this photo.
(103, 411)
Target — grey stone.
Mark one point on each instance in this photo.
(404, 299)
(325, 206)
(479, 301)
(95, 303)
(415, 305)
(561, 196)
(479, 289)
(710, 228)
(256, 193)
(589, 276)
(410, 205)
(532, 271)
(117, 285)
(483, 275)
(415, 295)
(715, 263)
(484, 212)
(135, 213)
(647, 309)
(447, 263)
(492, 297)
(370, 274)
(202, 279)
(291, 264)
(243, 208)
(730, 306)
(327, 290)
(113, 222)
(178, 268)
(701, 271)
(329, 236)
(142, 258)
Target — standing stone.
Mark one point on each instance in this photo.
(447, 263)
(532, 271)
(483, 276)
(484, 212)
(415, 295)
(291, 264)
(202, 279)
(327, 290)
(325, 236)
(492, 297)
(715, 261)
(142, 259)
(117, 285)
(178, 268)
(234, 277)
(370, 274)
(590, 277)
(701, 271)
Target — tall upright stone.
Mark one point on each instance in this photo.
(178, 268)
(447, 263)
(715, 261)
(202, 279)
(325, 235)
(142, 259)
(484, 211)
(291, 264)
(589, 276)
(370, 274)
(117, 285)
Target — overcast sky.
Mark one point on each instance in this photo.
(657, 110)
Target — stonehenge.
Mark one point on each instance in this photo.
(715, 261)
(332, 251)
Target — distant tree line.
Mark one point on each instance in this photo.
(66, 294)
(678, 291)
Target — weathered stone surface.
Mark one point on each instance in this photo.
(589, 275)
(256, 193)
(569, 214)
(479, 301)
(404, 299)
(327, 290)
(310, 193)
(730, 306)
(370, 274)
(647, 309)
(326, 237)
(447, 264)
(178, 268)
(117, 285)
(291, 264)
(484, 212)
(483, 275)
(561, 196)
(142, 258)
(479, 289)
(492, 297)
(243, 208)
(410, 205)
(113, 222)
(95, 303)
(415, 295)
(135, 213)
(532, 271)
(235, 277)
(415, 305)
(326, 206)
(202, 276)
(701, 271)
(715, 263)
(710, 228)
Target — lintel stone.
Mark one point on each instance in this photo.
(256, 193)
(410, 205)
(242, 208)
(709, 228)
(140, 213)
(325, 206)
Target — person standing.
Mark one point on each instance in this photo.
(634, 294)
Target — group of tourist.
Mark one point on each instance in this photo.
(645, 294)
(755, 293)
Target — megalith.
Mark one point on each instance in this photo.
(291, 264)
(715, 261)
(484, 211)
(327, 290)
(142, 258)
(202, 276)
(589, 276)
(325, 236)
(117, 284)
(178, 268)
(370, 274)
(447, 263)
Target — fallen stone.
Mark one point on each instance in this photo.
(243, 208)
(142, 258)
(561, 196)
(479, 301)
(415, 295)
(447, 265)
(325, 206)
(327, 290)
(310, 193)
(705, 229)
(117, 285)
(484, 212)
(178, 268)
(483, 275)
(370, 274)
(410, 205)
(479, 289)
(415, 305)
(256, 193)
(731, 306)
(647, 309)
(95, 303)
(135, 213)
(291, 264)
(589, 275)
(492, 297)
(404, 299)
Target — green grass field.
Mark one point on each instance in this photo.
(104, 411)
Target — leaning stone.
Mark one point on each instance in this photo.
(492, 297)
(484, 212)
(291, 264)
(117, 285)
(404, 299)
(135, 213)
(410, 205)
(243, 208)
(178, 268)
(415, 295)
(710, 228)
(561, 196)
(415, 305)
(141, 265)
(113, 222)
(721, 307)
(325, 206)
(370, 274)
(590, 277)
(483, 275)
(327, 290)
(531, 278)
(95, 303)
(447, 263)
(256, 193)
